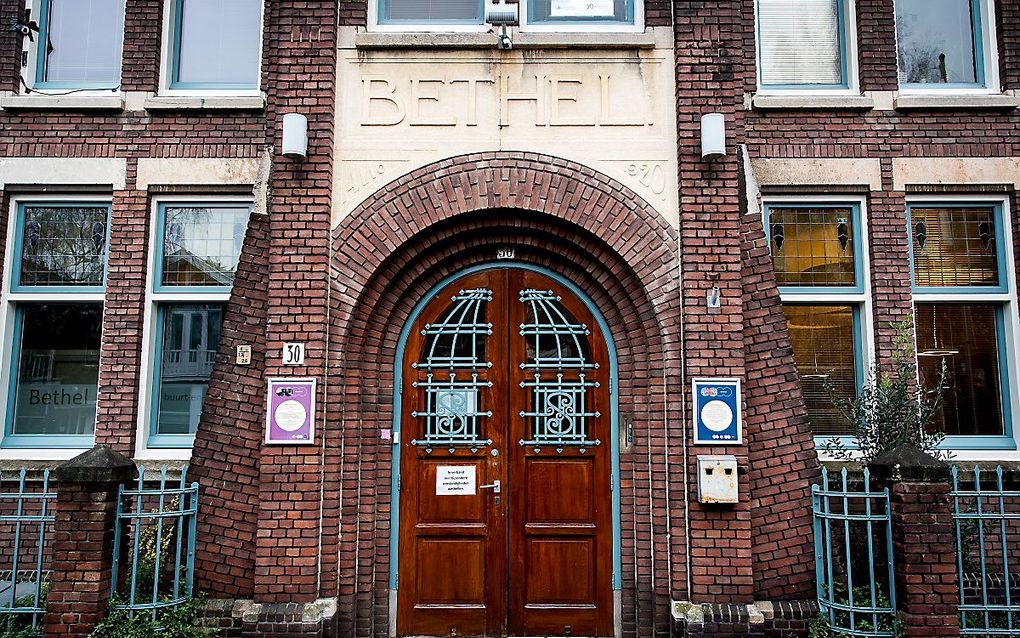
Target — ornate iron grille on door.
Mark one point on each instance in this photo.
(453, 354)
(558, 352)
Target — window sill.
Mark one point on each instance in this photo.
(522, 40)
(802, 101)
(37, 101)
(989, 101)
(217, 102)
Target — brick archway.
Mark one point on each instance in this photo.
(455, 214)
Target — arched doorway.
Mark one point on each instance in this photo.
(505, 506)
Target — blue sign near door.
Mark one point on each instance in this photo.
(717, 418)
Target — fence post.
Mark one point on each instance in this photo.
(87, 488)
(927, 584)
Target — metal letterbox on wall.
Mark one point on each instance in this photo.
(717, 479)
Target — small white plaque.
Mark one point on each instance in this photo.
(243, 355)
(293, 354)
(455, 480)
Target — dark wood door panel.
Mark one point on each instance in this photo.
(526, 404)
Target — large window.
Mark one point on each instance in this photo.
(197, 251)
(962, 297)
(541, 14)
(80, 44)
(54, 314)
(216, 44)
(942, 43)
(817, 257)
(802, 44)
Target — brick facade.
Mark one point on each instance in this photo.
(295, 540)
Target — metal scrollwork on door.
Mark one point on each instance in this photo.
(558, 352)
(454, 351)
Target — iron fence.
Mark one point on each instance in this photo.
(986, 516)
(854, 556)
(26, 512)
(156, 526)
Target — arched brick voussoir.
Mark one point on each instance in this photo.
(464, 184)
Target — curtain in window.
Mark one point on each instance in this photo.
(218, 42)
(82, 42)
(424, 11)
(800, 42)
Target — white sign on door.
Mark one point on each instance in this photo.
(455, 480)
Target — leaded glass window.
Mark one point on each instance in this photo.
(202, 244)
(62, 246)
(559, 355)
(955, 246)
(813, 246)
(453, 356)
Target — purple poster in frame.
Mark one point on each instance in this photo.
(290, 412)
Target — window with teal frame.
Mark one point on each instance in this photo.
(553, 12)
(818, 257)
(198, 245)
(57, 275)
(941, 43)
(80, 44)
(803, 45)
(215, 45)
(962, 305)
(430, 12)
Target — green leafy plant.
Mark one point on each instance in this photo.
(20, 625)
(892, 408)
(171, 622)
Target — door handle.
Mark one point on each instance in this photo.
(495, 486)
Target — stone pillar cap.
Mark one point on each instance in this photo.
(101, 464)
(911, 464)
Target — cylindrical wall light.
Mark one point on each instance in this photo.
(295, 136)
(713, 135)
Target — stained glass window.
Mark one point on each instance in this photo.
(954, 246)
(63, 246)
(813, 246)
(202, 244)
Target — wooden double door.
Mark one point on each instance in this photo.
(505, 472)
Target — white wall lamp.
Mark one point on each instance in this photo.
(295, 136)
(713, 135)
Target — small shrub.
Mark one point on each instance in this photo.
(172, 622)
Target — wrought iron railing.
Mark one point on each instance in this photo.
(853, 556)
(986, 516)
(26, 515)
(154, 546)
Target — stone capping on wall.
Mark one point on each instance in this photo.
(790, 172)
(96, 101)
(110, 171)
(193, 171)
(955, 171)
(522, 40)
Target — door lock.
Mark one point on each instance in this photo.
(495, 486)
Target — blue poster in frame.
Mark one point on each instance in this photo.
(717, 417)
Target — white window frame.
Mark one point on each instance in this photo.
(853, 82)
(989, 58)
(167, 61)
(862, 299)
(1011, 320)
(29, 71)
(150, 338)
(8, 302)
(574, 27)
